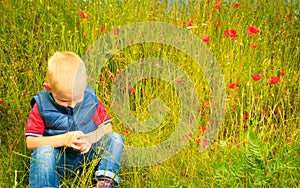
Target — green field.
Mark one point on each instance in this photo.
(255, 42)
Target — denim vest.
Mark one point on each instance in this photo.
(59, 119)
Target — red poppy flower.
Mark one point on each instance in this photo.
(83, 15)
(103, 80)
(184, 22)
(202, 128)
(190, 23)
(218, 7)
(233, 85)
(273, 80)
(102, 29)
(254, 45)
(179, 80)
(197, 140)
(132, 90)
(252, 30)
(1, 102)
(205, 39)
(246, 115)
(230, 33)
(256, 77)
(289, 16)
(116, 31)
(218, 24)
(88, 51)
(78, 23)
(129, 88)
(282, 73)
(237, 5)
(204, 142)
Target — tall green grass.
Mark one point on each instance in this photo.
(261, 150)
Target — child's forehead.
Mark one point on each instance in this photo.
(70, 95)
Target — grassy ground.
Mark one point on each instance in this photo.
(258, 144)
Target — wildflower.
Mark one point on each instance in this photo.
(233, 85)
(197, 140)
(117, 31)
(234, 108)
(103, 80)
(230, 33)
(204, 142)
(218, 6)
(218, 24)
(252, 30)
(288, 140)
(273, 80)
(88, 51)
(205, 39)
(132, 90)
(78, 23)
(289, 16)
(282, 73)
(102, 29)
(179, 81)
(254, 45)
(1, 102)
(184, 22)
(246, 115)
(129, 88)
(126, 131)
(256, 77)
(203, 129)
(83, 15)
(237, 5)
(190, 23)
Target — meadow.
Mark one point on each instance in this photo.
(256, 44)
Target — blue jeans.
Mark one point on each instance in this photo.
(49, 164)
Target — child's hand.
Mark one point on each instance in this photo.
(85, 147)
(74, 139)
(77, 140)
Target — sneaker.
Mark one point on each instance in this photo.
(104, 182)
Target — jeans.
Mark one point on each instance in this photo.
(49, 164)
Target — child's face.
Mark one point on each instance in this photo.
(67, 99)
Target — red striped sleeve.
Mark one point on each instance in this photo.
(100, 116)
(35, 124)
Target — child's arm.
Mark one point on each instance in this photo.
(72, 139)
(95, 135)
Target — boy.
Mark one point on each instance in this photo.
(68, 127)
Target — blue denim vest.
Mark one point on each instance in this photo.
(59, 119)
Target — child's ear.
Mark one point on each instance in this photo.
(47, 87)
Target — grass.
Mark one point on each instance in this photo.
(258, 144)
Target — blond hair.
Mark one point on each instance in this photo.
(66, 72)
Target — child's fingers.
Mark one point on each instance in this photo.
(76, 147)
(85, 149)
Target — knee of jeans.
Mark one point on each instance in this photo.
(116, 136)
(44, 153)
